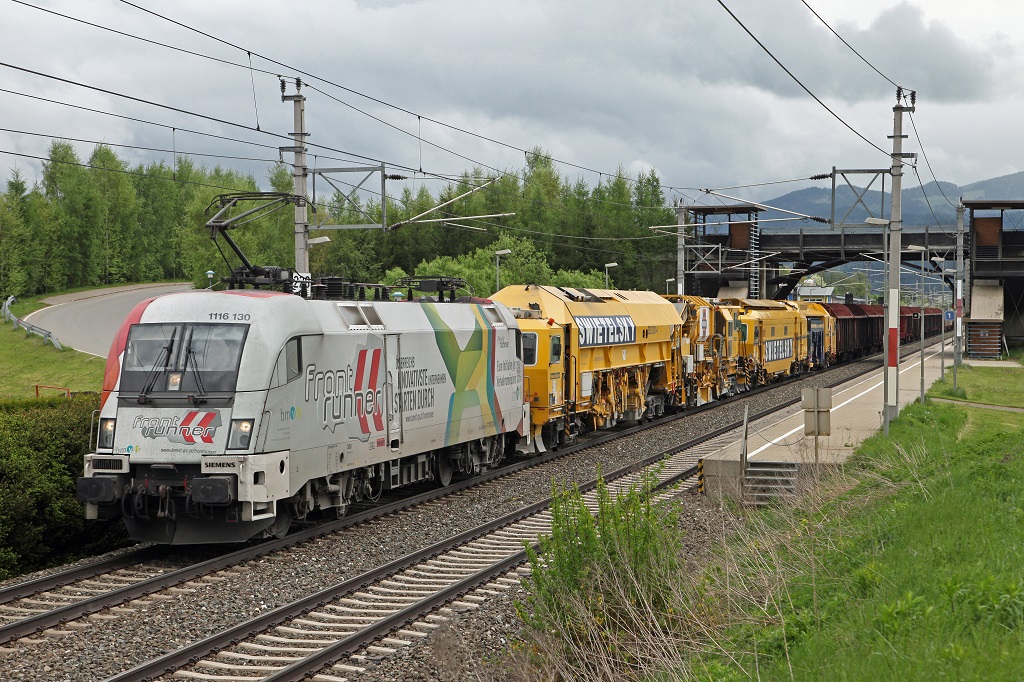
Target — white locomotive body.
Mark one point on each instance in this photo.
(225, 415)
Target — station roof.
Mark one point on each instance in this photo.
(994, 204)
(720, 209)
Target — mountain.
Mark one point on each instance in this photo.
(929, 207)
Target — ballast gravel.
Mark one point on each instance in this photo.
(151, 627)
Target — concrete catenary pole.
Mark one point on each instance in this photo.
(299, 175)
(891, 408)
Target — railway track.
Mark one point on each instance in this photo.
(189, 578)
(394, 603)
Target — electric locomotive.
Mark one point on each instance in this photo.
(226, 415)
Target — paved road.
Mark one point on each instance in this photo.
(88, 320)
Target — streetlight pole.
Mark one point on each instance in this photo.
(668, 282)
(920, 307)
(606, 266)
(959, 293)
(497, 267)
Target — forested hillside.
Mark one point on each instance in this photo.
(99, 221)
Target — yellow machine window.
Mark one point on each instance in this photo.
(556, 349)
(530, 349)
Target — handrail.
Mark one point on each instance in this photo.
(67, 391)
(31, 328)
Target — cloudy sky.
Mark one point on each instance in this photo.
(674, 85)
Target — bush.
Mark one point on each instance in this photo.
(42, 443)
(604, 593)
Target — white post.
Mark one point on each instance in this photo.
(606, 266)
(497, 267)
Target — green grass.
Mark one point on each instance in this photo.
(27, 361)
(917, 566)
(987, 385)
(926, 583)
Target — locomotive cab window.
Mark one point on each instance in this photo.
(293, 358)
(530, 348)
(182, 358)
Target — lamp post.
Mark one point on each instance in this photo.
(668, 287)
(606, 266)
(497, 267)
(923, 251)
(209, 276)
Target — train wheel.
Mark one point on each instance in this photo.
(282, 522)
(442, 470)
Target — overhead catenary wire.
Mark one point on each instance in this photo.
(140, 100)
(928, 163)
(927, 200)
(121, 171)
(797, 80)
(173, 151)
(844, 42)
(249, 66)
(920, 143)
(420, 118)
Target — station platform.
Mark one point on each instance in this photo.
(856, 415)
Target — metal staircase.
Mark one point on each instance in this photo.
(764, 482)
(754, 279)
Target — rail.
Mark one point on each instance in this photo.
(31, 328)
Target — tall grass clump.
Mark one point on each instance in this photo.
(604, 596)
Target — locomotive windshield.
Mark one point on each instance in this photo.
(182, 357)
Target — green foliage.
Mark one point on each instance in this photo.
(917, 569)
(42, 443)
(102, 222)
(603, 576)
(27, 360)
(525, 265)
(987, 385)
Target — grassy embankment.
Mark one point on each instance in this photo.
(42, 442)
(905, 565)
(26, 360)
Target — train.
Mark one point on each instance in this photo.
(228, 415)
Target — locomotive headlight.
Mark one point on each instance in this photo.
(106, 437)
(240, 434)
(174, 381)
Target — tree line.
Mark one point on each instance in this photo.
(102, 221)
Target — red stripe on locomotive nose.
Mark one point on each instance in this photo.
(185, 423)
(378, 416)
(204, 423)
(364, 425)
